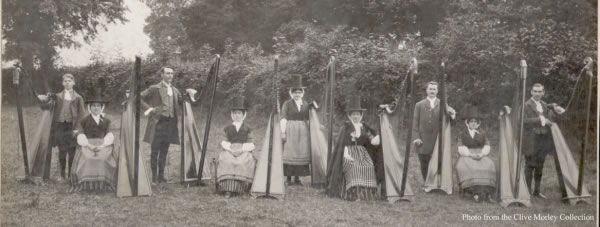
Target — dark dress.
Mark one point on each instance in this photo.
(296, 150)
(475, 176)
(354, 179)
(235, 173)
(95, 171)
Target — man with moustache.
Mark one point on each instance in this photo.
(426, 125)
(537, 139)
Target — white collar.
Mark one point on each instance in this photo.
(237, 125)
(472, 132)
(169, 88)
(68, 94)
(432, 99)
(357, 128)
(96, 118)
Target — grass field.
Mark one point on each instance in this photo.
(175, 205)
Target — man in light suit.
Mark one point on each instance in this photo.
(537, 139)
(162, 103)
(426, 125)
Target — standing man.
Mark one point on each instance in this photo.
(426, 125)
(537, 139)
(68, 110)
(162, 103)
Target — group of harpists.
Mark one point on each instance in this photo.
(363, 164)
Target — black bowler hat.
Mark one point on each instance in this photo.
(297, 83)
(354, 104)
(238, 104)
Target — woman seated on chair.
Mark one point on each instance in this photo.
(94, 166)
(352, 176)
(476, 171)
(235, 169)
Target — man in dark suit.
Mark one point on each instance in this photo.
(68, 111)
(162, 103)
(537, 139)
(426, 125)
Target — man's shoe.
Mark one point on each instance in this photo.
(162, 180)
(539, 195)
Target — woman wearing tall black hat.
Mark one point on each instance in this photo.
(294, 129)
(352, 173)
(476, 172)
(95, 164)
(235, 170)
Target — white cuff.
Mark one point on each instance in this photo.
(282, 125)
(148, 111)
(191, 92)
(82, 140)
(464, 151)
(486, 150)
(543, 119)
(109, 138)
(226, 145)
(248, 147)
(376, 141)
(346, 155)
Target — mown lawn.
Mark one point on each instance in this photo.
(175, 205)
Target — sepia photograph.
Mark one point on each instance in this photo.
(299, 113)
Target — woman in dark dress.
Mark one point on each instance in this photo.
(352, 173)
(294, 130)
(476, 172)
(235, 170)
(94, 167)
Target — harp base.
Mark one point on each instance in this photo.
(441, 191)
(266, 197)
(579, 200)
(515, 203)
(393, 200)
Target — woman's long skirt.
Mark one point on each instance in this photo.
(473, 172)
(359, 175)
(235, 173)
(296, 150)
(94, 171)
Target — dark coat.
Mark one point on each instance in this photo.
(77, 107)
(90, 129)
(425, 125)
(532, 124)
(156, 97)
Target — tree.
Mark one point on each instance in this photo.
(34, 29)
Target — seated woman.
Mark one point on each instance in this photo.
(235, 169)
(476, 172)
(94, 166)
(352, 174)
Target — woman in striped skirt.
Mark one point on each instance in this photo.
(294, 129)
(235, 170)
(352, 172)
